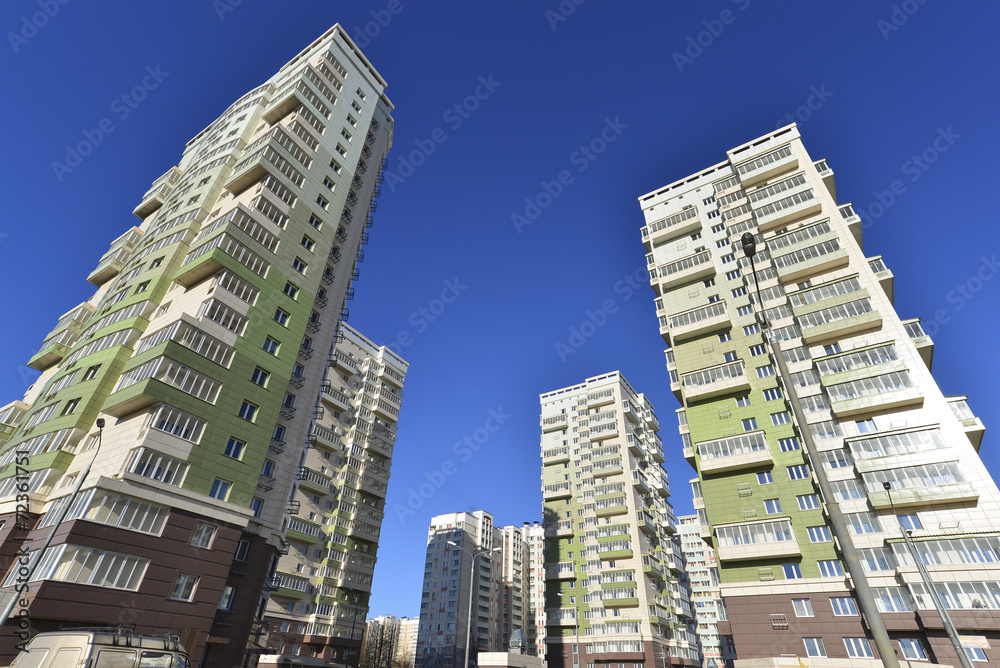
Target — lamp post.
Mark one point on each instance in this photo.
(472, 589)
(19, 593)
(839, 526)
(350, 640)
(576, 619)
(949, 627)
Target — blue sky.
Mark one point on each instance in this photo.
(672, 86)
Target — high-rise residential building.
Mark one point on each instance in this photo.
(613, 595)
(534, 596)
(384, 640)
(323, 579)
(703, 575)
(406, 645)
(869, 405)
(204, 349)
(497, 588)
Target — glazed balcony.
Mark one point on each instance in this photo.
(560, 490)
(685, 270)
(853, 221)
(674, 225)
(555, 423)
(924, 344)
(825, 173)
(971, 424)
(882, 273)
(698, 322)
(787, 209)
(314, 480)
(961, 492)
(766, 166)
(345, 362)
(715, 381)
(390, 375)
(157, 193)
(336, 397)
(325, 437)
(555, 455)
(600, 398)
(561, 571)
(557, 529)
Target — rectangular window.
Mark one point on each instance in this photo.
(299, 266)
(743, 400)
(308, 243)
(803, 607)
(788, 444)
(315, 221)
(203, 536)
(845, 607)
(859, 648)
(814, 647)
(281, 317)
(910, 522)
(91, 372)
(220, 489)
(772, 394)
(764, 478)
(808, 502)
(975, 654)
(248, 411)
(243, 551)
(831, 568)
(780, 418)
(70, 407)
(726, 259)
(184, 587)
(865, 426)
(228, 598)
(259, 377)
(819, 535)
(291, 290)
(749, 424)
(739, 292)
(730, 356)
(757, 350)
(235, 448)
(322, 201)
(732, 275)
(765, 371)
(798, 472)
(725, 337)
(751, 329)
(831, 349)
(792, 571)
(772, 506)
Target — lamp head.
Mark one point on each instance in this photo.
(749, 244)
(453, 543)
(100, 423)
(887, 485)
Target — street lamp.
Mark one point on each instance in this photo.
(472, 588)
(847, 549)
(576, 619)
(928, 583)
(350, 640)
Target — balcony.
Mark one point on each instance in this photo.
(873, 403)
(754, 551)
(50, 354)
(924, 344)
(650, 419)
(831, 323)
(610, 507)
(715, 381)
(314, 480)
(336, 397)
(799, 204)
(675, 225)
(600, 398)
(882, 273)
(109, 266)
(924, 496)
(345, 362)
(825, 173)
(971, 424)
(560, 528)
(562, 571)
(685, 270)
(852, 220)
(561, 490)
(599, 432)
(391, 376)
(699, 321)
(646, 522)
(326, 438)
(555, 455)
(766, 166)
(554, 423)
(749, 459)
(810, 261)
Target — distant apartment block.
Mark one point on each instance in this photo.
(703, 576)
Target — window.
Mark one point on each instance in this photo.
(725, 337)
(243, 551)
(788, 444)
(844, 607)
(814, 647)
(341, 150)
(714, 298)
(751, 329)
(730, 356)
(291, 290)
(308, 243)
(910, 522)
(228, 597)
(865, 426)
(780, 418)
(184, 587)
(803, 607)
(740, 292)
(70, 407)
(271, 346)
(322, 202)
(156, 263)
(819, 535)
(220, 489)
(91, 372)
(259, 377)
(764, 478)
(798, 472)
(858, 648)
(912, 648)
(792, 571)
(744, 310)
(248, 411)
(743, 400)
(975, 654)
(315, 221)
(808, 502)
(203, 536)
(726, 259)
(757, 350)
(299, 266)
(832, 349)
(281, 317)
(732, 275)
(772, 506)
(765, 371)
(831, 568)
(749, 424)
(235, 448)
(257, 506)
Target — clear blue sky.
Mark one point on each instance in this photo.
(883, 95)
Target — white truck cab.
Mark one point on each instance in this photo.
(104, 647)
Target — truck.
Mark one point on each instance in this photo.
(103, 647)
